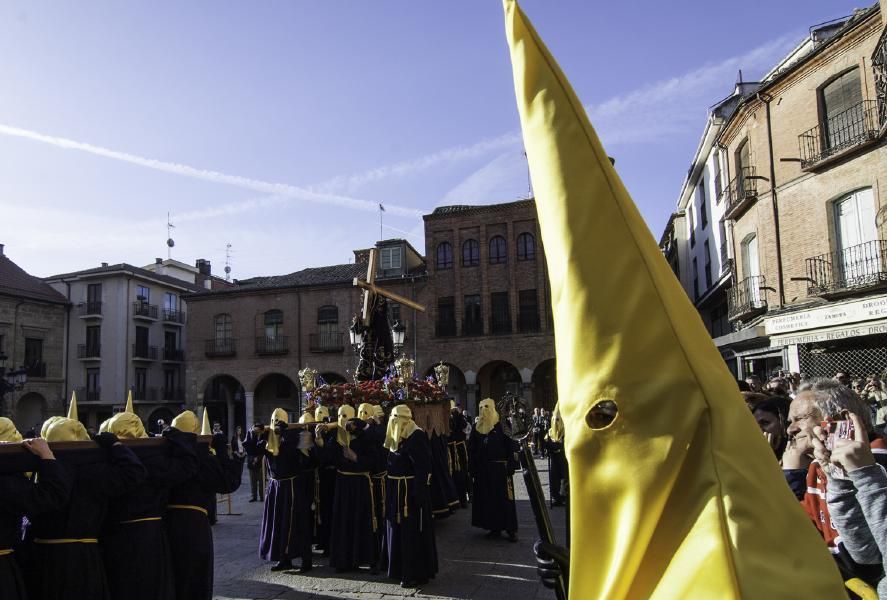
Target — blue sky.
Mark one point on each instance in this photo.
(278, 126)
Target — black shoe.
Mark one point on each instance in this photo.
(512, 536)
(306, 566)
(283, 565)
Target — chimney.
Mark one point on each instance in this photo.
(158, 261)
(362, 256)
(104, 264)
(203, 267)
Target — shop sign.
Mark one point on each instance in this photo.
(828, 316)
(835, 333)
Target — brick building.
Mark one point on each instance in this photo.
(487, 316)
(802, 162)
(32, 335)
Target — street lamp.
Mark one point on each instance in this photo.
(398, 333)
(356, 332)
(13, 380)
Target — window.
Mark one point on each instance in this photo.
(141, 348)
(722, 229)
(695, 280)
(743, 164)
(716, 163)
(526, 247)
(444, 256)
(33, 352)
(170, 342)
(328, 327)
(327, 314)
(498, 252)
(842, 109)
(222, 327)
(707, 265)
(393, 312)
(2, 343)
(860, 257)
(170, 302)
(93, 340)
(692, 224)
(500, 321)
(273, 324)
(94, 298)
(473, 323)
(470, 253)
(528, 311)
(141, 384)
(169, 384)
(143, 293)
(446, 316)
(391, 259)
(703, 209)
(93, 384)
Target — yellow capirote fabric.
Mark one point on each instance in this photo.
(64, 429)
(378, 412)
(8, 432)
(321, 413)
(346, 412)
(678, 496)
(47, 424)
(124, 425)
(365, 411)
(205, 427)
(277, 416)
(187, 422)
(487, 416)
(400, 426)
(72, 407)
(556, 431)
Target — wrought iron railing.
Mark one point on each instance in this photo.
(742, 189)
(87, 309)
(746, 298)
(89, 350)
(173, 354)
(144, 310)
(330, 341)
(172, 394)
(143, 352)
(173, 316)
(89, 394)
(856, 267)
(36, 369)
(879, 68)
(856, 125)
(144, 394)
(272, 345)
(220, 347)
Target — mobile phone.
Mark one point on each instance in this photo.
(837, 430)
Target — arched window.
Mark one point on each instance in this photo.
(273, 324)
(223, 327)
(526, 247)
(328, 318)
(470, 253)
(444, 256)
(498, 252)
(328, 338)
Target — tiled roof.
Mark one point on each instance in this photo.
(14, 281)
(125, 267)
(463, 209)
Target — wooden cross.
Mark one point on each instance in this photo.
(370, 290)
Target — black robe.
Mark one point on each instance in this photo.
(375, 434)
(410, 542)
(557, 472)
(69, 570)
(492, 465)
(288, 519)
(444, 497)
(187, 522)
(19, 497)
(134, 542)
(326, 489)
(458, 451)
(353, 535)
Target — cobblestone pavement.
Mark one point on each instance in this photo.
(471, 566)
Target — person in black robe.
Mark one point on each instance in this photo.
(254, 461)
(187, 513)
(444, 498)
(458, 451)
(134, 541)
(288, 519)
(491, 454)
(353, 534)
(326, 486)
(557, 459)
(367, 425)
(65, 561)
(20, 496)
(410, 542)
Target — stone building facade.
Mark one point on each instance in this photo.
(32, 335)
(487, 316)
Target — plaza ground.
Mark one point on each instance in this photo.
(471, 566)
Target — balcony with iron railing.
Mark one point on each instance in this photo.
(148, 394)
(89, 310)
(173, 317)
(326, 342)
(143, 310)
(36, 369)
(740, 193)
(848, 270)
(173, 355)
(89, 351)
(879, 69)
(747, 298)
(844, 132)
(267, 346)
(89, 394)
(172, 394)
(144, 352)
(220, 347)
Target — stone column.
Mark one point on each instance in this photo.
(249, 409)
(527, 393)
(471, 398)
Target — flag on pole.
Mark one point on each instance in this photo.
(381, 208)
(678, 496)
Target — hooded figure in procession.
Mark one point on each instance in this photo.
(410, 542)
(458, 453)
(288, 520)
(370, 427)
(134, 541)
(326, 474)
(492, 457)
(22, 496)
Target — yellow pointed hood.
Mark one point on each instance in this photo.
(400, 426)
(278, 416)
(47, 424)
(129, 408)
(72, 408)
(346, 412)
(125, 425)
(321, 413)
(556, 431)
(365, 411)
(487, 416)
(205, 426)
(678, 496)
(186, 421)
(65, 429)
(8, 432)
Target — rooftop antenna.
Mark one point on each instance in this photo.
(740, 77)
(169, 241)
(228, 262)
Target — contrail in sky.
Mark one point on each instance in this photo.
(273, 189)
